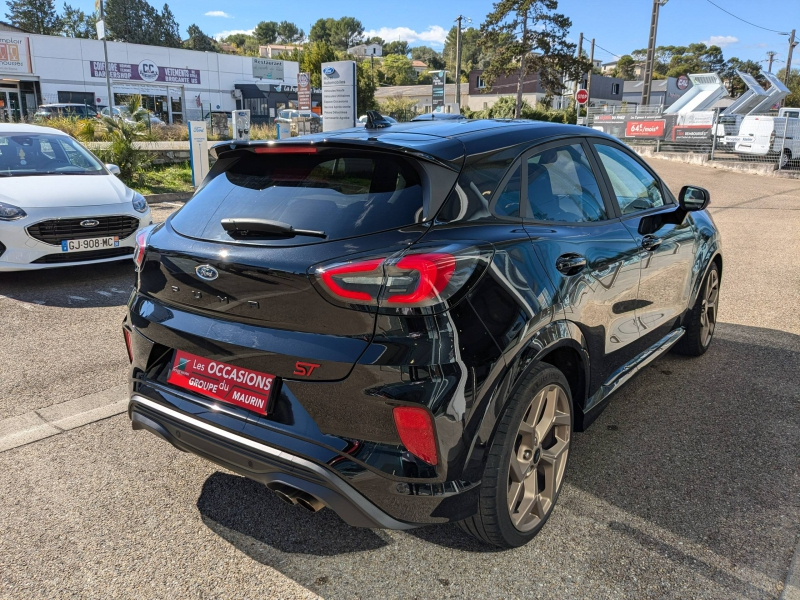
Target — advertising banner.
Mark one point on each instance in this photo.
(266, 68)
(15, 53)
(437, 90)
(693, 127)
(339, 95)
(146, 70)
(650, 128)
(303, 91)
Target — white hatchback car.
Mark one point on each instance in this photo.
(59, 205)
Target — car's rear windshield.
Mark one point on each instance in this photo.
(341, 193)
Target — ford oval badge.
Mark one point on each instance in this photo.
(206, 272)
(329, 70)
(90, 223)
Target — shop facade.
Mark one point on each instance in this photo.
(265, 101)
(175, 84)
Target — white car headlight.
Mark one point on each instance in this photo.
(9, 212)
(139, 203)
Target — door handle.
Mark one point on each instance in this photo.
(651, 242)
(570, 264)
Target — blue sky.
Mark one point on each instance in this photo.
(618, 26)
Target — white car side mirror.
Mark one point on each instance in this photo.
(113, 169)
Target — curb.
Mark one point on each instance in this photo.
(174, 197)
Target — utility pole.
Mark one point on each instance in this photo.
(578, 83)
(651, 51)
(771, 57)
(589, 80)
(792, 44)
(458, 58)
(99, 6)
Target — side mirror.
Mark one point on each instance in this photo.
(113, 169)
(693, 198)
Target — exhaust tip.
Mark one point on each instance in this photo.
(309, 502)
(286, 496)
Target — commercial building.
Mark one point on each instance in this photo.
(176, 84)
(421, 95)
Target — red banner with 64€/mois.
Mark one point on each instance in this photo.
(221, 381)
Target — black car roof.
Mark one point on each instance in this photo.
(447, 140)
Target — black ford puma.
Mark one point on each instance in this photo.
(406, 323)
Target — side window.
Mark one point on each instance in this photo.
(562, 186)
(635, 188)
(507, 201)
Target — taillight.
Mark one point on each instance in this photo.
(415, 426)
(141, 246)
(128, 344)
(419, 277)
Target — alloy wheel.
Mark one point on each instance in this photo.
(708, 310)
(536, 468)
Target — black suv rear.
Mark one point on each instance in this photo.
(363, 321)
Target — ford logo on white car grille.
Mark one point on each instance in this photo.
(206, 272)
(90, 223)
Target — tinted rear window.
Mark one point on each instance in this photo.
(344, 194)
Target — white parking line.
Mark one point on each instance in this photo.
(58, 418)
(78, 298)
(106, 294)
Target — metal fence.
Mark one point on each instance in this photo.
(769, 139)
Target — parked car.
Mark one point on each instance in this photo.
(79, 111)
(362, 120)
(766, 135)
(124, 113)
(286, 115)
(59, 205)
(407, 324)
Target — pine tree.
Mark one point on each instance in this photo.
(77, 24)
(34, 16)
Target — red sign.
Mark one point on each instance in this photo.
(581, 96)
(221, 381)
(645, 129)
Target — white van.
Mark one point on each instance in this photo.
(765, 135)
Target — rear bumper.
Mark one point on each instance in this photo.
(258, 461)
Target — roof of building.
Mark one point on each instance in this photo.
(419, 63)
(9, 27)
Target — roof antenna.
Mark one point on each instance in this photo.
(375, 120)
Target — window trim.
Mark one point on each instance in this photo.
(668, 204)
(527, 213)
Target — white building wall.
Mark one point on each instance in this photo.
(63, 65)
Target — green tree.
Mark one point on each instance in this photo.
(398, 47)
(365, 88)
(289, 33)
(374, 40)
(77, 24)
(312, 57)
(625, 68)
(527, 37)
(397, 70)
(199, 40)
(471, 52)
(793, 99)
(136, 22)
(736, 87)
(266, 32)
(428, 55)
(34, 16)
(320, 31)
(346, 32)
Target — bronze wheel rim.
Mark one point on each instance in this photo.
(538, 458)
(708, 308)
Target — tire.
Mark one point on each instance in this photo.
(785, 158)
(702, 319)
(543, 396)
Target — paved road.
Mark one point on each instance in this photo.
(688, 485)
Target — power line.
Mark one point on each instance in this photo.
(748, 22)
(609, 51)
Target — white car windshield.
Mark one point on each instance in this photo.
(24, 154)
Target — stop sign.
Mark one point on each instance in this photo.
(581, 96)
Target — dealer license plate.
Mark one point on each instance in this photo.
(101, 243)
(221, 381)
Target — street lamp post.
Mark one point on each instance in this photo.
(651, 51)
(458, 57)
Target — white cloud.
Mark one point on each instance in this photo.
(218, 13)
(223, 34)
(721, 40)
(432, 35)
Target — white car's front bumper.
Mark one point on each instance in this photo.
(22, 251)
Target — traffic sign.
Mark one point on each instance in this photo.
(581, 96)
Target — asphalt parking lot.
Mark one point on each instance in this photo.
(687, 486)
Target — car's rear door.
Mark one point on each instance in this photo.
(667, 254)
(588, 253)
